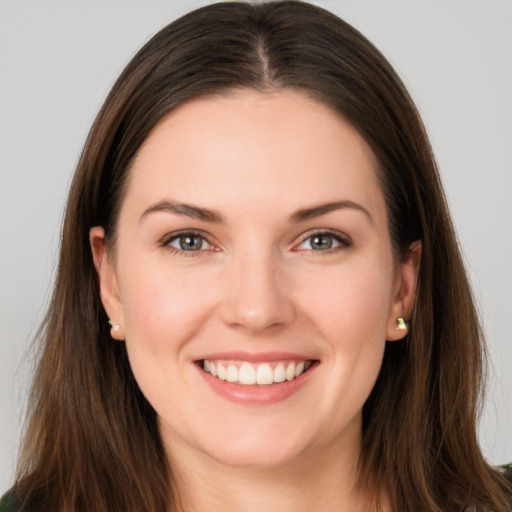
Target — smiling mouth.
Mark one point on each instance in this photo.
(252, 374)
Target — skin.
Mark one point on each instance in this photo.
(257, 285)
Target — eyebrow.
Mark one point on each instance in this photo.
(207, 215)
(323, 209)
(189, 210)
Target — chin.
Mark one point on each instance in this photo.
(264, 443)
(260, 455)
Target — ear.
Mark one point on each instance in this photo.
(404, 292)
(109, 290)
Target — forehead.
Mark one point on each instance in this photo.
(249, 148)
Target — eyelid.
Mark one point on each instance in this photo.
(169, 237)
(343, 239)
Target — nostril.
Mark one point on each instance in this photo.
(261, 318)
(256, 300)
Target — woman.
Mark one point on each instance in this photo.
(260, 301)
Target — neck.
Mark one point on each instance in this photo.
(323, 481)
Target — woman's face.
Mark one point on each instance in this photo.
(253, 235)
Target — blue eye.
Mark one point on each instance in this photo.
(190, 242)
(323, 242)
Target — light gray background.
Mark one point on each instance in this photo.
(59, 58)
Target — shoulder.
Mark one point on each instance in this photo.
(8, 502)
(507, 471)
(507, 468)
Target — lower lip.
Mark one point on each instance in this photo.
(257, 394)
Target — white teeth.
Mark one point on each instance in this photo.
(221, 372)
(249, 374)
(279, 373)
(232, 373)
(290, 371)
(264, 375)
(299, 368)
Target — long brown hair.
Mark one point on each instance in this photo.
(92, 442)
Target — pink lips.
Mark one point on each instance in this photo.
(254, 394)
(255, 358)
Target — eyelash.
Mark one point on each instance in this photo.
(165, 242)
(342, 239)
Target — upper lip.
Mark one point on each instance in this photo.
(252, 357)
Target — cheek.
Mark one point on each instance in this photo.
(163, 307)
(349, 301)
(349, 309)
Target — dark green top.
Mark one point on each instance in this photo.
(8, 502)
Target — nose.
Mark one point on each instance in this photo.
(258, 299)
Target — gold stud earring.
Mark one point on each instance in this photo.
(114, 326)
(400, 324)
